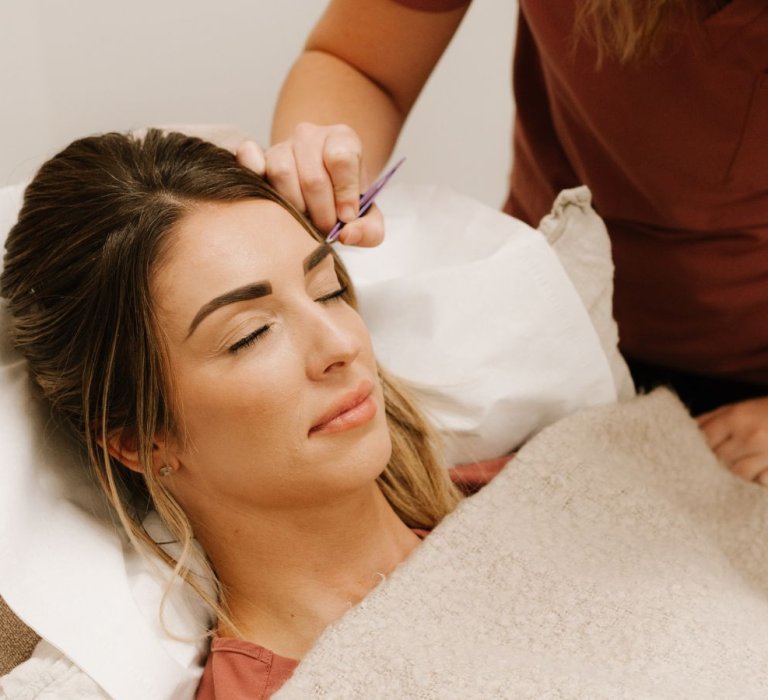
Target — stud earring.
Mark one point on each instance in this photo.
(165, 470)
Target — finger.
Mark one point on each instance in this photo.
(342, 156)
(282, 172)
(762, 479)
(750, 467)
(366, 232)
(315, 182)
(250, 155)
(731, 450)
(704, 418)
(716, 432)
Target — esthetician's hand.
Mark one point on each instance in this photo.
(738, 435)
(319, 170)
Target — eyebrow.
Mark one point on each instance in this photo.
(316, 257)
(254, 290)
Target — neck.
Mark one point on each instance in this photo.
(287, 576)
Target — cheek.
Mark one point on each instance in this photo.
(251, 411)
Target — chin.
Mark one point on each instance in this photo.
(364, 460)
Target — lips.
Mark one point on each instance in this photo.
(351, 410)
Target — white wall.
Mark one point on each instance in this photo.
(82, 66)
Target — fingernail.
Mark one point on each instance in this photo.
(352, 237)
(347, 212)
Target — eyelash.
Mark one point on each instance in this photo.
(251, 338)
(333, 296)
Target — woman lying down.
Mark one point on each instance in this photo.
(202, 342)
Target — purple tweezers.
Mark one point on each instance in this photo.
(366, 200)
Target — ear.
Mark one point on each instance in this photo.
(122, 445)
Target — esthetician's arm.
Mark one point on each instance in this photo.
(345, 100)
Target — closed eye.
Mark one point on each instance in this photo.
(259, 333)
(248, 340)
(332, 296)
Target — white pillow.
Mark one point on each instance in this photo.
(475, 309)
(70, 576)
(580, 239)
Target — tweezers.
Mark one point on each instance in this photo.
(366, 200)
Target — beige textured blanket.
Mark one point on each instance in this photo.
(614, 558)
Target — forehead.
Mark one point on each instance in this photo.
(220, 246)
(229, 240)
(245, 227)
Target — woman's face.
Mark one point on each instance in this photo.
(273, 372)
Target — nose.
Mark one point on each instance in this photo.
(333, 341)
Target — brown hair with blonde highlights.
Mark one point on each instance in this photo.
(632, 30)
(96, 222)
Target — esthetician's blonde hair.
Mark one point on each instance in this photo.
(633, 30)
(95, 224)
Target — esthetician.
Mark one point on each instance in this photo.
(659, 106)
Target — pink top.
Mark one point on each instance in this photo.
(240, 670)
(237, 669)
